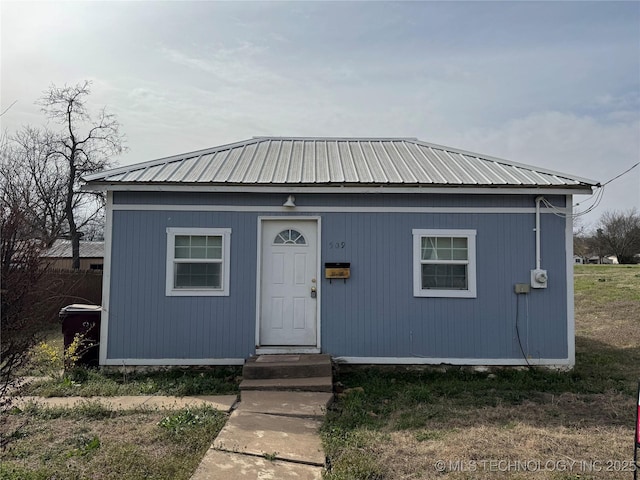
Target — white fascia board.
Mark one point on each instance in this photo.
(123, 362)
(325, 209)
(547, 362)
(298, 189)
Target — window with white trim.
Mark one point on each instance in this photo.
(444, 263)
(198, 261)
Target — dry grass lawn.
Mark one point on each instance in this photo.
(527, 425)
(90, 442)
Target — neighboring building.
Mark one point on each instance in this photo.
(373, 250)
(610, 260)
(60, 257)
(578, 260)
(605, 260)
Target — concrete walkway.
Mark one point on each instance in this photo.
(270, 435)
(223, 403)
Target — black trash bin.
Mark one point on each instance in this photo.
(83, 320)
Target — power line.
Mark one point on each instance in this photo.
(618, 176)
(8, 108)
(599, 193)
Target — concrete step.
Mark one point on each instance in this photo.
(310, 384)
(284, 438)
(287, 366)
(219, 465)
(287, 404)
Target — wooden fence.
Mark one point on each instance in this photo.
(59, 288)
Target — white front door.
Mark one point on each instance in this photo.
(289, 283)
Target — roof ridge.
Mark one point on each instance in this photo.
(335, 139)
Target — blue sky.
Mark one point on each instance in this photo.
(552, 84)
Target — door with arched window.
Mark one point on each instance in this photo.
(289, 283)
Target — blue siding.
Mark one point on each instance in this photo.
(374, 314)
(382, 318)
(144, 323)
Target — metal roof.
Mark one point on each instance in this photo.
(62, 249)
(336, 161)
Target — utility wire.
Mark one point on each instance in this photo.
(560, 212)
(597, 196)
(8, 108)
(600, 187)
(618, 176)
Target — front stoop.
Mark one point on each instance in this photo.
(311, 384)
(300, 373)
(288, 404)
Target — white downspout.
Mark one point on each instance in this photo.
(538, 260)
(538, 276)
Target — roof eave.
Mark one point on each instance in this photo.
(576, 189)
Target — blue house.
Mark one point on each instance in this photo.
(372, 250)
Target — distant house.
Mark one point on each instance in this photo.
(578, 260)
(372, 250)
(610, 260)
(605, 260)
(59, 256)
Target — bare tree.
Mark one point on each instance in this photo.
(32, 182)
(619, 234)
(20, 270)
(20, 301)
(93, 229)
(84, 144)
(581, 245)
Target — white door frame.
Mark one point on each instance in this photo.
(292, 349)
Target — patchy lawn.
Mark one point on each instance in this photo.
(176, 382)
(90, 442)
(46, 364)
(529, 424)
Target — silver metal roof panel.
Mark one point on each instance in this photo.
(62, 249)
(335, 165)
(334, 162)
